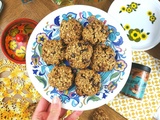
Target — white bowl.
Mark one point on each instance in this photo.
(141, 21)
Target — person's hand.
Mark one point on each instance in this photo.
(52, 111)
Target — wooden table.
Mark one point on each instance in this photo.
(38, 9)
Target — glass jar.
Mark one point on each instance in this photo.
(137, 81)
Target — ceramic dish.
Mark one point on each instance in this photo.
(140, 20)
(112, 81)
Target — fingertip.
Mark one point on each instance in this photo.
(55, 100)
(55, 109)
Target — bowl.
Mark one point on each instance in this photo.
(15, 37)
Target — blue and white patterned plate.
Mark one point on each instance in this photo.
(112, 81)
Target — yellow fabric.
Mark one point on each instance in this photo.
(143, 109)
(16, 92)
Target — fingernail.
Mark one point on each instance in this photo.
(55, 100)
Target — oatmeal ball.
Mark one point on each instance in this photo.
(95, 32)
(103, 58)
(79, 54)
(61, 77)
(52, 51)
(99, 114)
(70, 30)
(87, 82)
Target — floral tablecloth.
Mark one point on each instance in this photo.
(18, 97)
(144, 109)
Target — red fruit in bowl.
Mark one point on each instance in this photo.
(20, 37)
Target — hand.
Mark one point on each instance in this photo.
(52, 111)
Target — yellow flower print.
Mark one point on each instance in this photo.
(149, 13)
(129, 9)
(120, 65)
(134, 34)
(123, 9)
(137, 35)
(41, 37)
(12, 45)
(134, 5)
(127, 27)
(21, 53)
(144, 36)
(152, 18)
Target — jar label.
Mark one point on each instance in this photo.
(135, 87)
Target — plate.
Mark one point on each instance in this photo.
(140, 20)
(112, 81)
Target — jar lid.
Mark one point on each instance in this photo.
(142, 67)
(15, 38)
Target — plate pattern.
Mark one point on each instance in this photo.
(110, 80)
(139, 20)
(136, 34)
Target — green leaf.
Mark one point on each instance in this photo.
(114, 75)
(93, 98)
(142, 30)
(40, 49)
(42, 80)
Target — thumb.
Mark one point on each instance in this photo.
(55, 109)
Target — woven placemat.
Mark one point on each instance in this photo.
(18, 98)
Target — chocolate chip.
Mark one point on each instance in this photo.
(85, 61)
(82, 75)
(91, 79)
(86, 43)
(79, 44)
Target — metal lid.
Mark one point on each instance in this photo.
(142, 67)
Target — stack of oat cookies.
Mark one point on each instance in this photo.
(84, 49)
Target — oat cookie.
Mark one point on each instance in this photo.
(70, 30)
(103, 58)
(52, 51)
(99, 114)
(95, 32)
(61, 77)
(79, 54)
(87, 82)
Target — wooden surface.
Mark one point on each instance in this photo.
(38, 9)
